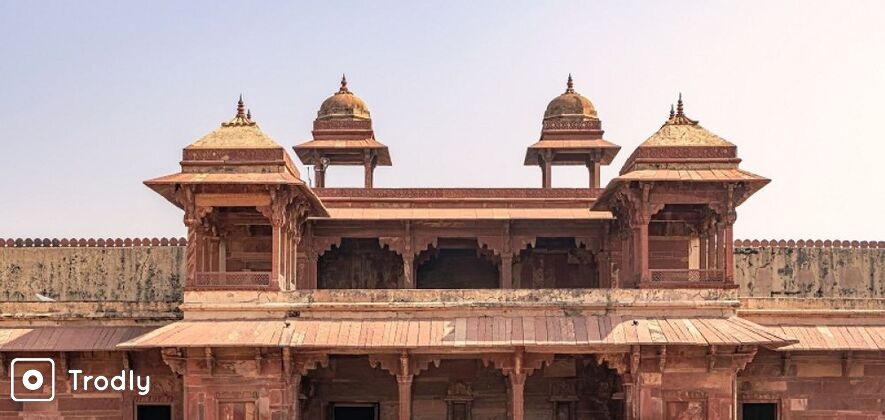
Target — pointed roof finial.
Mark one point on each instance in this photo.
(343, 88)
(243, 118)
(241, 108)
(677, 116)
(569, 85)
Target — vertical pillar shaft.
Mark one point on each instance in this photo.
(369, 168)
(506, 270)
(702, 247)
(603, 270)
(276, 255)
(319, 173)
(369, 176)
(296, 402)
(729, 252)
(517, 395)
(640, 253)
(720, 246)
(312, 260)
(222, 255)
(546, 174)
(593, 169)
(404, 384)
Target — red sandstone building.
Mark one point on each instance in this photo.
(291, 301)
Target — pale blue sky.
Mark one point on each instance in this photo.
(100, 95)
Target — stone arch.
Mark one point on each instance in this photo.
(359, 263)
(457, 263)
(556, 262)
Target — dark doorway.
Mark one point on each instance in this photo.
(354, 412)
(759, 411)
(153, 412)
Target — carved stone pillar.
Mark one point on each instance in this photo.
(319, 173)
(404, 385)
(545, 160)
(369, 162)
(506, 270)
(728, 246)
(404, 367)
(517, 367)
(593, 169)
(720, 245)
(640, 251)
(517, 395)
(603, 270)
(702, 246)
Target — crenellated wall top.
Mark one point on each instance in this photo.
(89, 242)
(807, 243)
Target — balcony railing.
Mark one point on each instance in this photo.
(687, 276)
(232, 280)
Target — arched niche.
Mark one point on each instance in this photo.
(455, 263)
(359, 263)
(555, 263)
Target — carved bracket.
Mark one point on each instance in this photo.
(404, 364)
(173, 358)
(518, 363)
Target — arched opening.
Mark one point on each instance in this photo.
(574, 387)
(555, 263)
(460, 389)
(359, 263)
(685, 245)
(457, 264)
(349, 388)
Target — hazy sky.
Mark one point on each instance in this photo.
(101, 95)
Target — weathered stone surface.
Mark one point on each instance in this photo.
(810, 272)
(90, 274)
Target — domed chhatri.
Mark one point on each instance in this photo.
(570, 105)
(343, 135)
(571, 134)
(343, 105)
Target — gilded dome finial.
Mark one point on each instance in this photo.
(249, 114)
(343, 88)
(672, 112)
(569, 85)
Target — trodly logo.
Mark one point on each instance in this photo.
(33, 379)
(28, 379)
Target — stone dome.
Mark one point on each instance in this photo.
(343, 105)
(570, 105)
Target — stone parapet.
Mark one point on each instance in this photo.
(492, 302)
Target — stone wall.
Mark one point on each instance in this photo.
(812, 269)
(816, 385)
(134, 273)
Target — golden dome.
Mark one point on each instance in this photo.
(570, 105)
(343, 105)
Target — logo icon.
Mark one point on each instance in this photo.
(28, 382)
